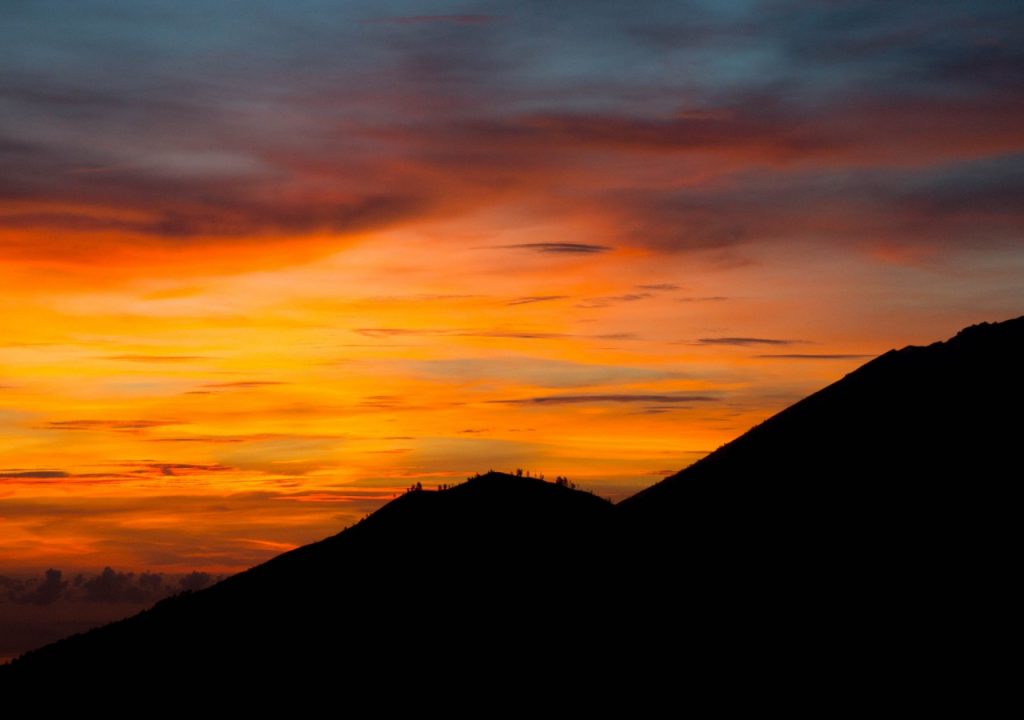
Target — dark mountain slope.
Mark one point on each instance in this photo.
(867, 532)
(905, 469)
(918, 420)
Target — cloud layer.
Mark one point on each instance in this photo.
(670, 127)
(107, 586)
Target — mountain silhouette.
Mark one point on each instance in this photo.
(911, 420)
(889, 448)
(483, 565)
(879, 509)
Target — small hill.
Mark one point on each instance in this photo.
(483, 565)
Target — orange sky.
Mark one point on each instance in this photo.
(184, 419)
(249, 296)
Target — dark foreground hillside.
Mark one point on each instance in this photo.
(488, 564)
(876, 513)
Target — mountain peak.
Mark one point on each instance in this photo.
(1011, 326)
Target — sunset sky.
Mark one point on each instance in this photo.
(266, 264)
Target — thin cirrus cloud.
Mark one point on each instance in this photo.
(388, 332)
(559, 248)
(600, 302)
(33, 474)
(746, 341)
(658, 287)
(610, 398)
(130, 426)
(530, 299)
(813, 356)
(65, 479)
(174, 469)
(222, 439)
(544, 373)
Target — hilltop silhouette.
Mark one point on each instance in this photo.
(491, 563)
(869, 511)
